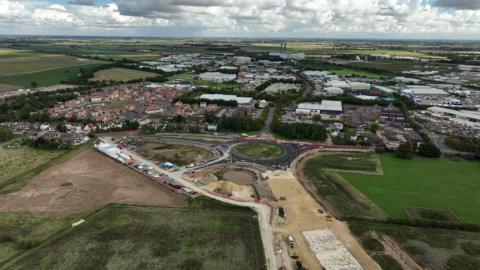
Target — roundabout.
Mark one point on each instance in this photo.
(259, 151)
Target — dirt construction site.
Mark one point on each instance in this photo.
(303, 214)
(87, 181)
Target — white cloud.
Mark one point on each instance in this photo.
(281, 18)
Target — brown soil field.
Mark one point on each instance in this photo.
(87, 181)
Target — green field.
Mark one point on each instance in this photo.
(356, 73)
(259, 150)
(338, 195)
(437, 249)
(9, 53)
(18, 166)
(421, 182)
(14, 162)
(45, 78)
(38, 63)
(135, 237)
(121, 74)
(20, 232)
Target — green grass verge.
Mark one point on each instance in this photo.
(422, 182)
(136, 237)
(259, 150)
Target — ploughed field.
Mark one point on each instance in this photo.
(121, 75)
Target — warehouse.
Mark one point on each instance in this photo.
(328, 110)
(217, 77)
(470, 118)
(242, 101)
(423, 90)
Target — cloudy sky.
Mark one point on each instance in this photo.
(444, 19)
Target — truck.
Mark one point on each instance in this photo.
(290, 239)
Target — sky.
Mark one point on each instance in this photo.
(389, 19)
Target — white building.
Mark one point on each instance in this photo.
(328, 109)
(423, 90)
(217, 77)
(469, 118)
(242, 101)
(406, 80)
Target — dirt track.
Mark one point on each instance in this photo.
(87, 181)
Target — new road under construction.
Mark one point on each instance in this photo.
(295, 229)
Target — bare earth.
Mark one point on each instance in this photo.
(87, 181)
(302, 214)
(7, 87)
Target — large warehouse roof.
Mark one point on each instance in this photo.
(423, 90)
(239, 100)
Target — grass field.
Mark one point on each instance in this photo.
(356, 73)
(9, 53)
(135, 237)
(14, 162)
(421, 182)
(20, 232)
(18, 166)
(259, 150)
(438, 249)
(345, 161)
(40, 62)
(340, 197)
(45, 78)
(121, 74)
(179, 154)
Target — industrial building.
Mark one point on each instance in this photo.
(470, 118)
(423, 90)
(217, 77)
(242, 101)
(328, 110)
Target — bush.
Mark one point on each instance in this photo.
(463, 262)
(430, 150)
(6, 134)
(471, 248)
(372, 244)
(405, 150)
(387, 262)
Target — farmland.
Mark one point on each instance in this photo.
(178, 154)
(45, 78)
(121, 74)
(190, 238)
(42, 62)
(428, 183)
(86, 181)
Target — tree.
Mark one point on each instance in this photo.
(430, 150)
(374, 127)
(34, 84)
(405, 150)
(317, 118)
(5, 134)
(61, 127)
